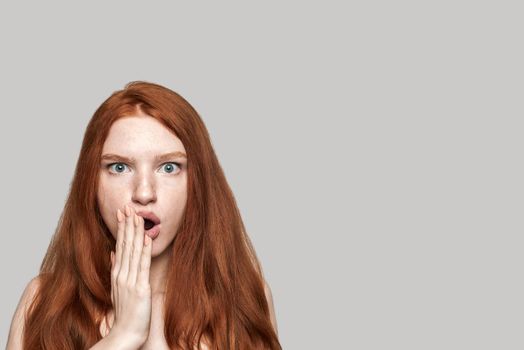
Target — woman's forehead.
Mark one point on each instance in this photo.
(137, 134)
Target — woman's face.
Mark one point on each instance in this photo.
(136, 169)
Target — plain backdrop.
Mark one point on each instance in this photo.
(374, 149)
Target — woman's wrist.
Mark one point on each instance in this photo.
(116, 340)
(125, 341)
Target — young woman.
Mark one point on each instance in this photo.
(150, 251)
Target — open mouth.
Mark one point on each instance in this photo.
(148, 224)
(151, 229)
(151, 224)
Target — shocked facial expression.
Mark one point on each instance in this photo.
(144, 166)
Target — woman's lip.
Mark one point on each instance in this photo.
(153, 232)
(149, 215)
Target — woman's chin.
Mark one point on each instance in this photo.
(158, 249)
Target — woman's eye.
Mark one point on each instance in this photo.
(117, 167)
(169, 166)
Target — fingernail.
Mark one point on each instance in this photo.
(146, 240)
(128, 211)
(136, 220)
(119, 215)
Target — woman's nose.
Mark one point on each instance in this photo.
(144, 191)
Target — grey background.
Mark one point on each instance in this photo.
(374, 149)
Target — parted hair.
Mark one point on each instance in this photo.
(214, 285)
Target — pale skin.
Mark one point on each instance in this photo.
(139, 268)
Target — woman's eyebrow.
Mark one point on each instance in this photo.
(170, 155)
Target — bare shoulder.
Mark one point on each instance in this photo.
(269, 297)
(14, 342)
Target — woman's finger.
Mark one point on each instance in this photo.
(138, 242)
(117, 256)
(119, 240)
(145, 262)
(128, 243)
(112, 279)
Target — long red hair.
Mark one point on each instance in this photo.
(215, 285)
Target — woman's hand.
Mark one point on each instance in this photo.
(130, 288)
